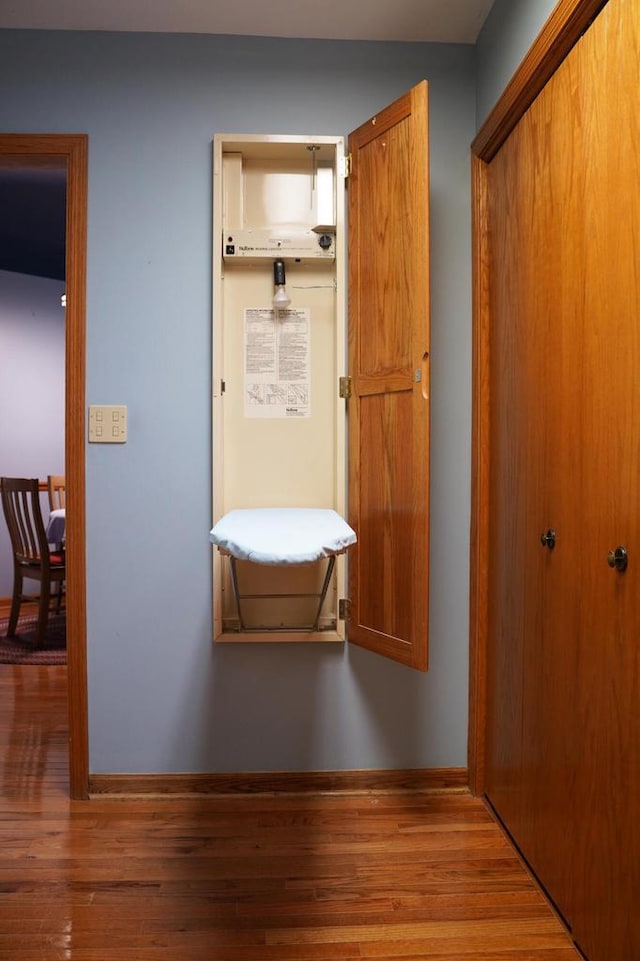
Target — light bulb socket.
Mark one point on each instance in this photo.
(278, 273)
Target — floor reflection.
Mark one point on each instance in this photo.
(33, 730)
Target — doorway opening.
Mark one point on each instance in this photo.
(68, 153)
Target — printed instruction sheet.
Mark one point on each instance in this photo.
(277, 358)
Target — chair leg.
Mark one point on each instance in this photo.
(15, 604)
(43, 612)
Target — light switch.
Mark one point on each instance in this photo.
(107, 424)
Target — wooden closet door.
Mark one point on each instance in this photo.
(551, 132)
(607, 875)
(564, 656)
(516, 474)
(536, 348)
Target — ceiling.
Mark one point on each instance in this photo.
(32, 226)
(441, 21)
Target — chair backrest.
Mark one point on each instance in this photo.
(21, 506)
(57, 491)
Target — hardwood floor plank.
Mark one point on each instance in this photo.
(459, 931)
(246, 878)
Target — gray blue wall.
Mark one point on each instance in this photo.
(507, 34)
(162, 698)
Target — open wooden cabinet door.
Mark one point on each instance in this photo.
(388, 420)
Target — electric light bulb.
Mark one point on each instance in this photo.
(281, 298)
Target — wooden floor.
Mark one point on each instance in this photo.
(236, 879)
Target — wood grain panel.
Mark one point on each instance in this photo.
(288, 782)
(536, 218)
(515, 471)
(386, 546)
(256, 877)
(75, 365)
(566, 24)
(607, 876)
(388, 360)
(385, 166)
(543, 236)
(481, 447)
(562, 662)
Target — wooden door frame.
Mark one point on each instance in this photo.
(566, 24)
(70, 151)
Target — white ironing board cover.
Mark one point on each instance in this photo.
(282, 535)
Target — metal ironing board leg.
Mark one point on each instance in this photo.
(236, 592)
(282, 627)
(325, 587)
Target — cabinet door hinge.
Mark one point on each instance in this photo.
(345, 387)
(223, 387)
(344, 609)
(346, 165)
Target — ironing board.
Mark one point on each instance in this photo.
(282, 536)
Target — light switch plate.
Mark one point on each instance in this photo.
(107, 424)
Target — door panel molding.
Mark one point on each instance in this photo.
(560, 33)
(70, 151)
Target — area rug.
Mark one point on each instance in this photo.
(22, 649)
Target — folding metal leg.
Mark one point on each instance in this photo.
(315, 626)
(325, 587)
(236, 591)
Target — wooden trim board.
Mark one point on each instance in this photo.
(429, 780)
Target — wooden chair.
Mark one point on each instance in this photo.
(32, 558)
(57, 491)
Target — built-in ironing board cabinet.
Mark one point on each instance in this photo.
(279, 422)
(286, 377)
